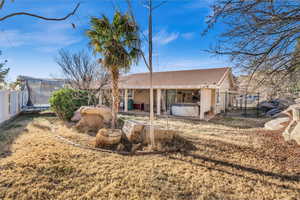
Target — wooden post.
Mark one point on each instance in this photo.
(202, 103)
(100, 97)
(126, 101)
(163, 101)
(257, 106)
(158, 101)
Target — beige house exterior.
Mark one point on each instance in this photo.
(192, 93)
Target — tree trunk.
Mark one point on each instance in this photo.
(115, 96)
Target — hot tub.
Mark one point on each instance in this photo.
(185, 109)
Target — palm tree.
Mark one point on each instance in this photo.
(119, 44)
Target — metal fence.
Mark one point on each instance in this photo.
(242, 104)
(11, 103)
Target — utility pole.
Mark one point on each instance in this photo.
(149, 61)
(150, 52)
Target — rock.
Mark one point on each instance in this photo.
(133, 130)
(292, 112)
(272, 112)
(265, 105)
(90, 122)
(108, 137)
(120, 147)
(276, 124)
(103, 111)
(160, 135)
(292, 132)
(77, 116)
(136, 147)
(285, 101)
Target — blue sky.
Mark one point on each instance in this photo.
(30, 45)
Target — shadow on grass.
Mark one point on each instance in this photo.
(11, 130)
(281, 177)
(239, 122)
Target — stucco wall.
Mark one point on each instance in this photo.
(141, 96)
(206, 95)
(226, 84)
(224, 99)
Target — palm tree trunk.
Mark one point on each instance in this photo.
(115, 95)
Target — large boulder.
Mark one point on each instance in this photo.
(103, 111)
(292, 131)
(276, 124)
(133, 130)
(77, 116)
(108, 137)
(90, 122)
(160, 135)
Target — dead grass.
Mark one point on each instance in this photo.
(229, 163)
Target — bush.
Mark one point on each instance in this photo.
(65, 102)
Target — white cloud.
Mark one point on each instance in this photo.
(163, 37)
(55, 35)
(11, 38)
(188, 36)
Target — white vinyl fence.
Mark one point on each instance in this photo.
(11, 103)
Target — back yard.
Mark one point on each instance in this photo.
(232, 161)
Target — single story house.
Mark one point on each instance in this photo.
(194, 93)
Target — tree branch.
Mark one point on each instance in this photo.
(41, 17)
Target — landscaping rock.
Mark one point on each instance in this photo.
(160, 135)
(266, 106)
(136, 147)
(103, 111)
(120, 147)
(273, 112)
(276, 124)
(108, 137)
(77, 116)
(90, 122)
(292, 132)
(133, 130)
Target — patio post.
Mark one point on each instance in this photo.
(158, 101)
(126, 101)
(100, 97)
(202, 103)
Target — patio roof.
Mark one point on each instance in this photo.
(185, 79)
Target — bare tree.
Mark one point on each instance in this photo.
(37, 16)
(259, 35)
(81, 70)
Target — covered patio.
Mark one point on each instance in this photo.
(193, 93)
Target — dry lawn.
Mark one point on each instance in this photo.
(232, 161)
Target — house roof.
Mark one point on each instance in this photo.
(199, 78)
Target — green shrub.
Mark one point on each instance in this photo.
(65, 102)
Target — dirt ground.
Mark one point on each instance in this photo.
(235, 159)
